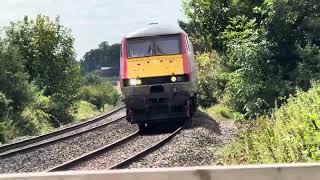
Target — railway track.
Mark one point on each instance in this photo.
(68, 132)
(116, 155)
(40, 157)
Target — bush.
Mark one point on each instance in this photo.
(5, 107)
(212, 79)
(34, 122)
(91, 79)
(290, 134)
(221, 112)
(99, 94)
(308, 69)
(35, 119)
(83, 110)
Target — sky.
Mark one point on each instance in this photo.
(94, 21)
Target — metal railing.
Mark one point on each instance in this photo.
(249, 172)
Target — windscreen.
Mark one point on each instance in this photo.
(139, 48)
(162, 45)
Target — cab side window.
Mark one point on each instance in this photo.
(187, 43)
(190, 47)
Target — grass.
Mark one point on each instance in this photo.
(84, 110)
(220, 112)
(291, 134)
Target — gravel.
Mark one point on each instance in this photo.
(112, 117)
(61, 151)
(120, 153)
(196, 145)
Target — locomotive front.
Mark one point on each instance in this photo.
(158, 75)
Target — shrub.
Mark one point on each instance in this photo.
(4, 106)
(212, 79)
(83, 110)
(290, 134)
(91, 79)
(5, 109)
(34, 119)
(34, 122)
(99, 94)
(221, 112)
(308, 69)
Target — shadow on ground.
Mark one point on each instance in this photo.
(200, 119)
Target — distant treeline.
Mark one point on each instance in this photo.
(104, 56)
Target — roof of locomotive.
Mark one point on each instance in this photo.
(155, 30)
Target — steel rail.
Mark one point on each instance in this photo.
(14, 148)
(28, 148)
(144, 152)
(92, 154)
(88, 156)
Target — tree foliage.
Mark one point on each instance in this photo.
(13, 78)
(212, 79)
(267, 48)
(291, 134)
(18, 98)
(99, 94)
(40, 80)
(47, 47)
(104, 56)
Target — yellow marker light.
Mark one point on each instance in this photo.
(173, 79)
(138, 82)
(133, 82)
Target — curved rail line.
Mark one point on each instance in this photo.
(11, 149)
(144, 152)
(88, 156)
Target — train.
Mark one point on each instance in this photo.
(158, 75)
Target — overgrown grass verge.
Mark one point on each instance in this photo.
(290, 134)
(81, 111)
(221, 112)
(84, 110)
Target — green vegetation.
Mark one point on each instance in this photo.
(99, 93)
(262, 50)
(83, 110)
(104, 56)
(290, 134)
(220, 113)
(254, 57)
(40, 83)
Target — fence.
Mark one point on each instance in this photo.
(250, 172)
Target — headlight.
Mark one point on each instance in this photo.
(173, 79)
(138, 82)
(133, 82)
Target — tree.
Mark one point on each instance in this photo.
(47, 48)
(267, 47)
(15, 91)
(207, 19)
(13, 80)
(104, 56)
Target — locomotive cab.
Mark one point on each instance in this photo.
(158, 75)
